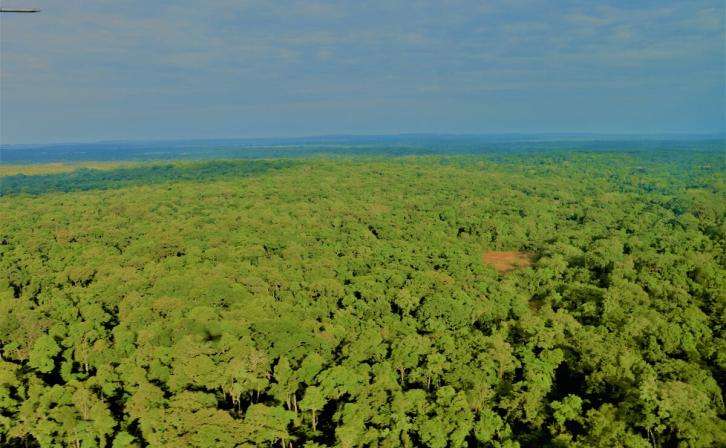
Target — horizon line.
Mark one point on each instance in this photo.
(511, 135)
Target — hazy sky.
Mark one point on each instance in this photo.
(130, 69)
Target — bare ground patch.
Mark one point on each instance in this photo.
(505, 261)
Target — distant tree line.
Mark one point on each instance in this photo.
(84, 179)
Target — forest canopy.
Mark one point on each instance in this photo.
(347, 302)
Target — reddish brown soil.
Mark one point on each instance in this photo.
(505, 261)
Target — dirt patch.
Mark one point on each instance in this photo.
(505, 261)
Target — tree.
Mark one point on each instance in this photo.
(313, 401)
(44, 350)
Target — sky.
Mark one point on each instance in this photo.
(137, 69)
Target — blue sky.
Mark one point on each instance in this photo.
(131, 69)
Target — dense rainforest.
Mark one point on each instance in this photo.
(349, 301)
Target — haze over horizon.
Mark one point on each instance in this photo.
(357, 139)
(82, 72)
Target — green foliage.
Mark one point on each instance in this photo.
(44, 350)
(345, 303)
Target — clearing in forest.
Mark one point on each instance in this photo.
(505, 261)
